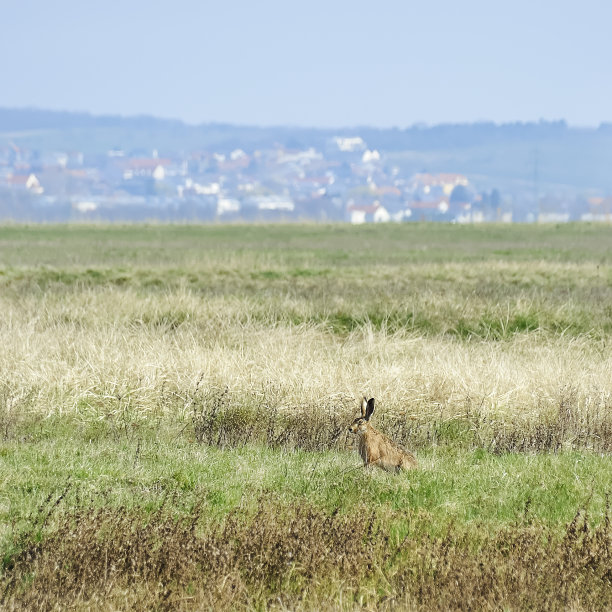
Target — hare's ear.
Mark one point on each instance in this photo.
(364, 407)
(369, 409)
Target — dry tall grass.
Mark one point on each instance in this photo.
(99, 353)
(67, 353)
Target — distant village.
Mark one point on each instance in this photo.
(347, 181)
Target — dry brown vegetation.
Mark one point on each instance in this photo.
(226, 419)
(300, 557)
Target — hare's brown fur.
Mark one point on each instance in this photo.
(377, 449)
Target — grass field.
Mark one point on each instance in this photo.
(174, 403)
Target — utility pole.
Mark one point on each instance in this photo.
(536, 190)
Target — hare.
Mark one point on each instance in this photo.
(377, 449)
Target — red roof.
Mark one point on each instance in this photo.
(18, 179)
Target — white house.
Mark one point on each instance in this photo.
(25, 182)
(350, 144)
(227, 206)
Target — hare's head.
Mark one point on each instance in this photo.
(360, 424)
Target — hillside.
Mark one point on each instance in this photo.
(551, 155)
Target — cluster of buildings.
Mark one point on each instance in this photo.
(346, 181)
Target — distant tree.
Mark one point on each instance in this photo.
(495, 198)
(294, 143)
(460, 194)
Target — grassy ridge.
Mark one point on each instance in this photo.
(174, 399)
(366, 246)
(471, 282)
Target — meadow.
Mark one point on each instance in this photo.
(174, 404)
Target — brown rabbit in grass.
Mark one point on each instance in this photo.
(377, 449)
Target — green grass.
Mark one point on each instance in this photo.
(471, 488)
(302, 247)
(463, 503)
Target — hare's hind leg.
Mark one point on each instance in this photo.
(408, 463)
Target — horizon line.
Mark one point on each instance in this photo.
(415, 125)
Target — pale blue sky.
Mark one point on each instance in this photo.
(314, 63)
